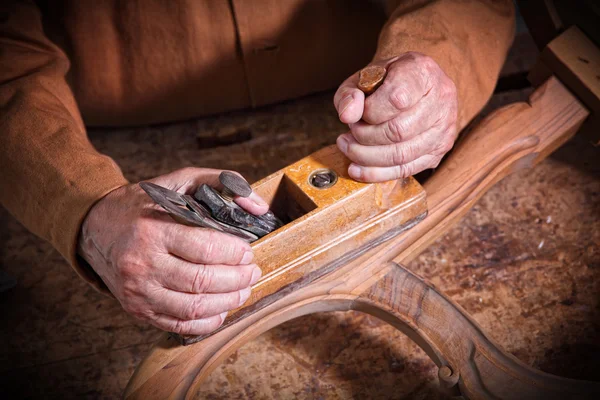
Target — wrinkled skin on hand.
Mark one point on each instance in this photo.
(405, 126)
(179, 278)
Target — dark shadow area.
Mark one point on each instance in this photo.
(583, 150)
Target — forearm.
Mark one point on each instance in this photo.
(468, 39)
(51, 174)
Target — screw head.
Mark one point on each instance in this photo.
(322, 179)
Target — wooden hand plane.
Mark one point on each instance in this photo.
(328, 224)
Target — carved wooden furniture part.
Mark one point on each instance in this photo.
(343, 249)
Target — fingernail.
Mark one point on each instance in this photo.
(345, 103)
(256, 274)
(247, 258)
(223, 316)
(244, 294)
(355, 171)
(342, 143)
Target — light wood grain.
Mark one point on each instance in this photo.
(575, 60)
(329, 227)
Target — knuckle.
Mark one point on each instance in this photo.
(400, 98)
(210, 250)
(436, 162)
(427, 63)
(218, 247)
(448, 144)
(196, 308)
(399, 154)
(444, 146)
(178, 326)
(450, 137)
(448, 92)
(128, 267)
(397, 128)
(172, 233)
(130, 288)
(140, 229)
(403, 171)
(202, 279)
(422, 62)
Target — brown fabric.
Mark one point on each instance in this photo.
(294, 47)
(146, 61)
(50, 173)
(468, 39)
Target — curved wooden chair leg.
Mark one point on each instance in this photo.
(470, 363)
(513, 138)
(174, 371)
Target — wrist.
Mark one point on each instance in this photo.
(92, 227)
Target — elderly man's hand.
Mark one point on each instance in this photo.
(179, 278)
(405, 126)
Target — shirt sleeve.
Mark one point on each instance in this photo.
(50, 174)
(469, 39)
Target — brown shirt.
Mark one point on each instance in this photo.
(67, 64)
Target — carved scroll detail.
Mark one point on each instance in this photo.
(453, 339)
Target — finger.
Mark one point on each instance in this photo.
(392, 154)
(195, 328)
(188, 307)
(349, 100)
(187, 180)
(382, 174)
(182, 276)
(405, 125)
(206, 246)
(408, 79)
(254, 204)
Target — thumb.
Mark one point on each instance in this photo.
(349, 101)
(187, 180)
